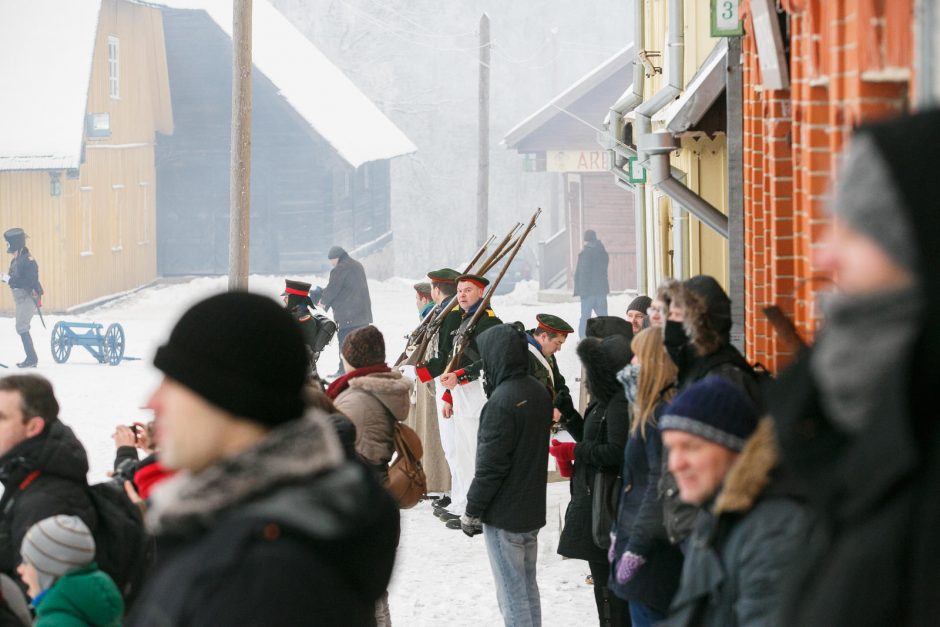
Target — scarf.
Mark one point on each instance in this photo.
(856, 360)
(338, 386)
(630, 378)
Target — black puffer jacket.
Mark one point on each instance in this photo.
(347, 294)
(508, 489)
(285, 533)
(601, 438)
(58, 488)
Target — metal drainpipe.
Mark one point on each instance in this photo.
(627, 103)
(658, 146)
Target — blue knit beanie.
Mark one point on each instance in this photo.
(713, 409)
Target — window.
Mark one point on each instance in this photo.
(87, 212)
(143, 220)
(114, 67)
(117, 218)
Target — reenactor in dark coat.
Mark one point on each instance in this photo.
(318, 330)
(544, 341)
(27, 291)
(347, 294)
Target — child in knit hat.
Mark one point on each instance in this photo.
(65, 585)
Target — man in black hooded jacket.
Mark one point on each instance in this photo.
(506, 500)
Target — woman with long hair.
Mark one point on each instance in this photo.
(645, 566)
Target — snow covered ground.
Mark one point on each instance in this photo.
(442, 577)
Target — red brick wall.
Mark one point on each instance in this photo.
(850, 62)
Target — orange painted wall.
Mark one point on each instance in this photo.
(851, 61)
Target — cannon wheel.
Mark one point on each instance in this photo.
(60, 343)
(113, 348)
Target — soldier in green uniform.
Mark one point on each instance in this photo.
(464, 397)
(544, 341)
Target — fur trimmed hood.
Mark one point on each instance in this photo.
(602, 360)
(389, 388)
(751, 473)
(707, 313)
(289, 454)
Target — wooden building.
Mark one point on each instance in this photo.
(320, 149)
(85, 91)
(558, 138)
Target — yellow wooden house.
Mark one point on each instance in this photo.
(85, 90)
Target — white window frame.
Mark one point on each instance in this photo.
(143, 232)
(86, 217)
(117, 218)
(114, 67)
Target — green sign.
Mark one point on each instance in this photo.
(635, 172)
(726, 18)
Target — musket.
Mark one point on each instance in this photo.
(423, 342)
(462, 340)
(421, 330)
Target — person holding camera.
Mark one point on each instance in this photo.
(144, 473)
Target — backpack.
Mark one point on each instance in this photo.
(124, 548)
(406, 480)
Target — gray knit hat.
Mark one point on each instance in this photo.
(57, 545)
(868, 200)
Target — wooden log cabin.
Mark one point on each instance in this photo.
(320, 149)
(85, 91)
(558, 139)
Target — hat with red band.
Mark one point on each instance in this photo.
(553, 324)
(444, 275)
(299, 288)
(477, 280)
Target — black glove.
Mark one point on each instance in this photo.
(471, 525)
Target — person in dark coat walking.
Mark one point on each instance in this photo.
(42, 464)
(601, 436)
(506, 500)
(857, 413)
(27, 291)
(753, 523)
(591, 281)
(347, 293)
(270, 524)
(646, 566)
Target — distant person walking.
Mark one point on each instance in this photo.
(591, 282)
(27, 291)
(347, 293)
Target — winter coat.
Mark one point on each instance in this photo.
(59, 487)
(743, 545)
(508, 488)
(373, 403)
(348, 294)
(590, 275)
(144, 473)
(24, 272)
(601, 436)
(86, 596)
(453, 324)
(283, 532)
(639, 525)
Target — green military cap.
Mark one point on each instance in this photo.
(553, 324)
(423, 288)
(479, 281)
(444, 275)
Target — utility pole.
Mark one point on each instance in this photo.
(483, 158)
(240, 182)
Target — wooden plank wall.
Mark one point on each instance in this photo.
(98, 236)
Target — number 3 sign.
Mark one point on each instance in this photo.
(726, 18)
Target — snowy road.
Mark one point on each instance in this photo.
(442, 577)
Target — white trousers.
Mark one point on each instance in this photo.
(446, 427)
(468, 404)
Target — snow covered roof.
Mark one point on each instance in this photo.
(46, 51)
(589, 81)
(318, 90)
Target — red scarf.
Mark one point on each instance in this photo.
(343, 382)
(150, 475)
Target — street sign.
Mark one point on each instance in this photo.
(726, 18)
(635, 172)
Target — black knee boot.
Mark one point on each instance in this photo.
(31, 358)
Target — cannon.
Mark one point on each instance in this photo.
(106, 347)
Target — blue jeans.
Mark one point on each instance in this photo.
(597, 304)
(644, 616)
(512, 558)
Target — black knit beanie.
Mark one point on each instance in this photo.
(641, 304)
(712, 409)
(241, 352)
